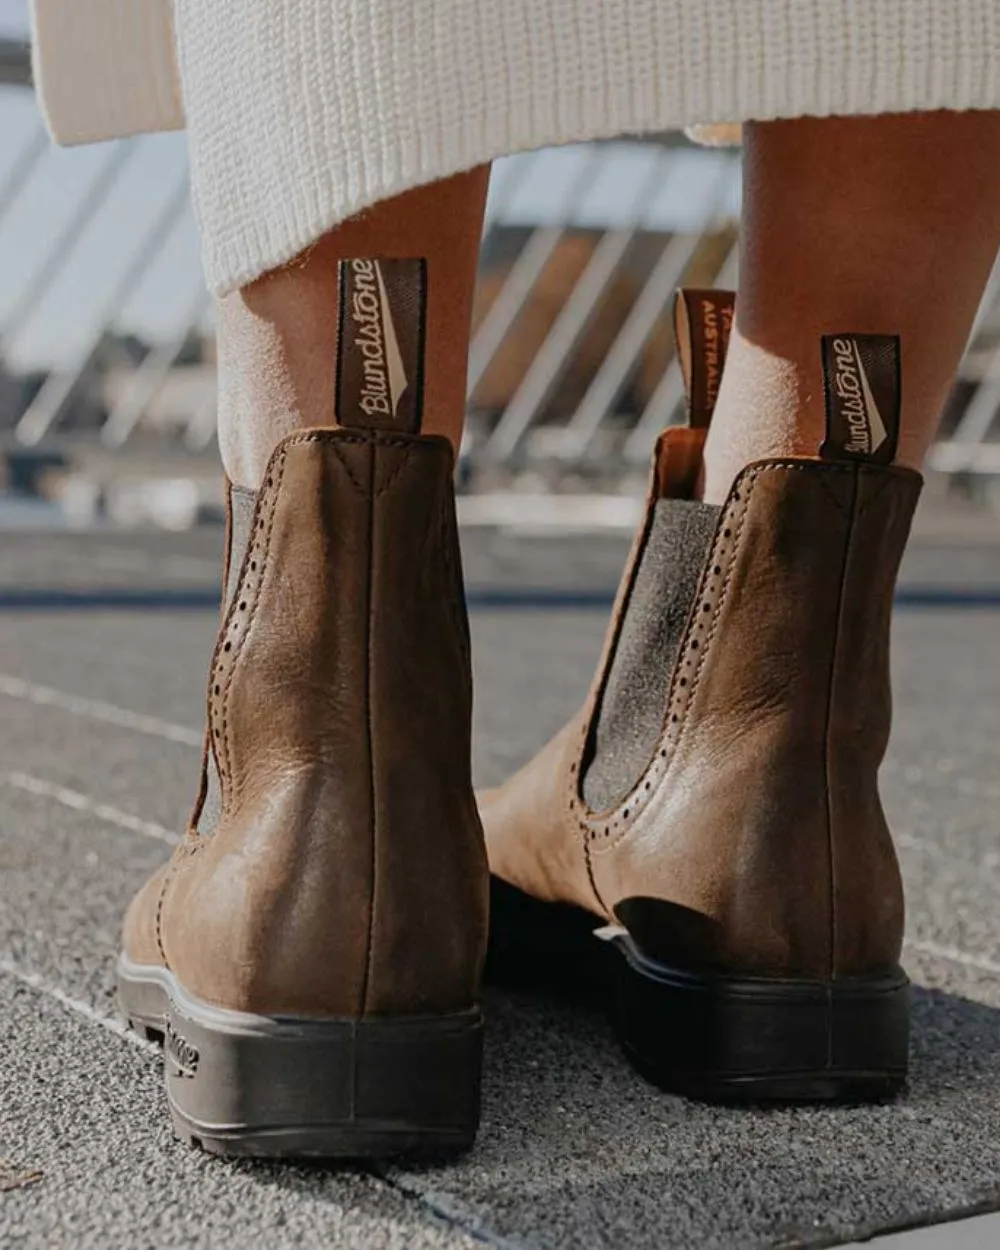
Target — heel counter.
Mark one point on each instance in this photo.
(284, 878)
(760, 845)
(741, 847)
(430, 876)
(866, 887)
(345, 723)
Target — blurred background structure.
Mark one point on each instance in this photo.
(107, 402)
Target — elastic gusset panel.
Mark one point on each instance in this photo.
(630, 713)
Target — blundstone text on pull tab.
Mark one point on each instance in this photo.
(380, 347)
(862, 383)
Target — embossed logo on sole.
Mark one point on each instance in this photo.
(181, 1053)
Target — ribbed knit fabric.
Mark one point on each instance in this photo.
(302, 113)
(106, 68)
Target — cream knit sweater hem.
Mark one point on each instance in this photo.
(304, 112)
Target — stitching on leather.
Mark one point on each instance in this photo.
(345, 465)
(623, 599)
(682, 692)
(583, 832)
(588, 841)
(238, 622)
(604, 835)
(591, 708)
(843, 509)
(404, 460)
(833, 930)
(238, 648)
(159, 912)
(208, 750)
(882, 487)
(370, 744)
(183, 852)
(334, 436)
(331, 438)
(677, 706)
(233, 634)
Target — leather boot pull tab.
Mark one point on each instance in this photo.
(703, 323)
(380, 344)
(862, 381)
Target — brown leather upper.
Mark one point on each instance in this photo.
(345, 875)
(753, 841)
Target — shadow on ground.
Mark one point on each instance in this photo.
(577, 1151)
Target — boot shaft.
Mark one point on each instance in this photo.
(757, 811)
(347, 614)
(348, 869)
(717, 798)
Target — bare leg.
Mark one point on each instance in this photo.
(865, 225)
(277, 336)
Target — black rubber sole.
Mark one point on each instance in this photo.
(708, 1037)
(258, 1086)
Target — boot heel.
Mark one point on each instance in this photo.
(355, 1089)
(251, 1085)
(723, 1039)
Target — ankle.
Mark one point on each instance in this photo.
(772, 404)
(276, 345)
(278, 336)
(768, 406)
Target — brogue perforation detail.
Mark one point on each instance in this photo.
(687, 670)
(238, 621)
(695, 649)
(190, 846)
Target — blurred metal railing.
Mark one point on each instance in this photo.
(570, 366)
(15, 63)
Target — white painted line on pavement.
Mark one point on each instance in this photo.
(907, 842)
(77, 1006)
(150, 829)
(95, 709)
(955, 955)
(83, 803)
(443, 1205)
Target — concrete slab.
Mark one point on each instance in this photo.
(979, 1233)
(576, 1151)
(91, 1161)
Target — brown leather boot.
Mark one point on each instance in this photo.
(312, 952)
(715, 804)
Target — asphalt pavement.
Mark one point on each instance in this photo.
(104, 642)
